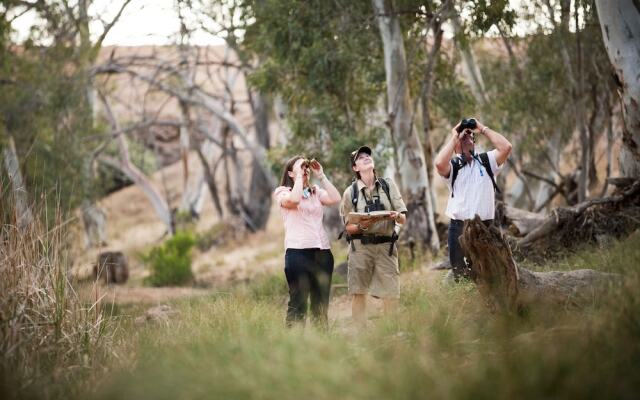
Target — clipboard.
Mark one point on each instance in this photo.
(356, 217)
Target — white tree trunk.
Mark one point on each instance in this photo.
(414, 180)
(620, 24)
(259, 194)
(124, 165)
(11, 164)
(469, 65)
(155, 197)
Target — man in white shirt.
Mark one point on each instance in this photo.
(471, 182)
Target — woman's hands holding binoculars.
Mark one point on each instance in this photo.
(303, 168)
(316, 167)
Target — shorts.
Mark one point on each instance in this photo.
(373, 271)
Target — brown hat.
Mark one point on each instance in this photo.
(355, 153)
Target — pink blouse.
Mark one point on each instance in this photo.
(303, 227)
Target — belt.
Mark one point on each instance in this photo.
(373, 239)
(486, 222)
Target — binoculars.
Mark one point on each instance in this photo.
(470, 123)
(376, 205)
(310, 163)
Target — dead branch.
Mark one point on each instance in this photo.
(125, 165)
(198, 97)
(564, 215)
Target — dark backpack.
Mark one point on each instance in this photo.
(458, 163)
(354, 201)
(354, 192)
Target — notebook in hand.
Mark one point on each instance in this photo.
(356, 217)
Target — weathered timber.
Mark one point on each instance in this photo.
(566, 216)
(507, 287)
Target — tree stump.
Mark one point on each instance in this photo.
(111, 267)
(509, 288)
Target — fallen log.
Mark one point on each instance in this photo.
(519, 222)
(510, 288)
(583, 216)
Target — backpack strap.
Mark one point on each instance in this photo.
(385, 187)
(354, 195)
(354, 202)
(456, 164)
(484, 158)
(354, 192)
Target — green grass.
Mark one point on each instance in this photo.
(443, 343)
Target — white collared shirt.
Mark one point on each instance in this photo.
(473, 193)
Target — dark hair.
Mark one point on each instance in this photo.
(288, 166)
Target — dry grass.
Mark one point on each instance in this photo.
(47, 335)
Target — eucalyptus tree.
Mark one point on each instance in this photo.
(534, 96)
(409, 157)
(45, 94)
(227, 19)
(620, 24)
(319, 58)
(327, 62)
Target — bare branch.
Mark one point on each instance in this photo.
(200, 98)
(108, 27)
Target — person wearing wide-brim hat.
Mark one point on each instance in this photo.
(373, 254)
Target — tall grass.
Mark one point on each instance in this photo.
(443, 343)
(48, 337)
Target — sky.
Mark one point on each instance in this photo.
(144, 22)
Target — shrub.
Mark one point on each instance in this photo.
(171, 262)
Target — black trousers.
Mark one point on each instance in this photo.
(308, 273)
(456, 255)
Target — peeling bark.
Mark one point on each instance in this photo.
(620, 24)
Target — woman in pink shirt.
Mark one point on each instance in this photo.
(308, 262)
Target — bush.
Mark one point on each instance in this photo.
(171, 262)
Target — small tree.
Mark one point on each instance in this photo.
(170, 263)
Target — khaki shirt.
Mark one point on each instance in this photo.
(385, 227)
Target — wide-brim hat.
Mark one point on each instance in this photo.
(356, 152)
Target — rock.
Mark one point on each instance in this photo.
(111, 267)
(160, 313)
(442, 264)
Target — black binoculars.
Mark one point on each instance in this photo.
(309, 163)
(470, 123)
(375, 205)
